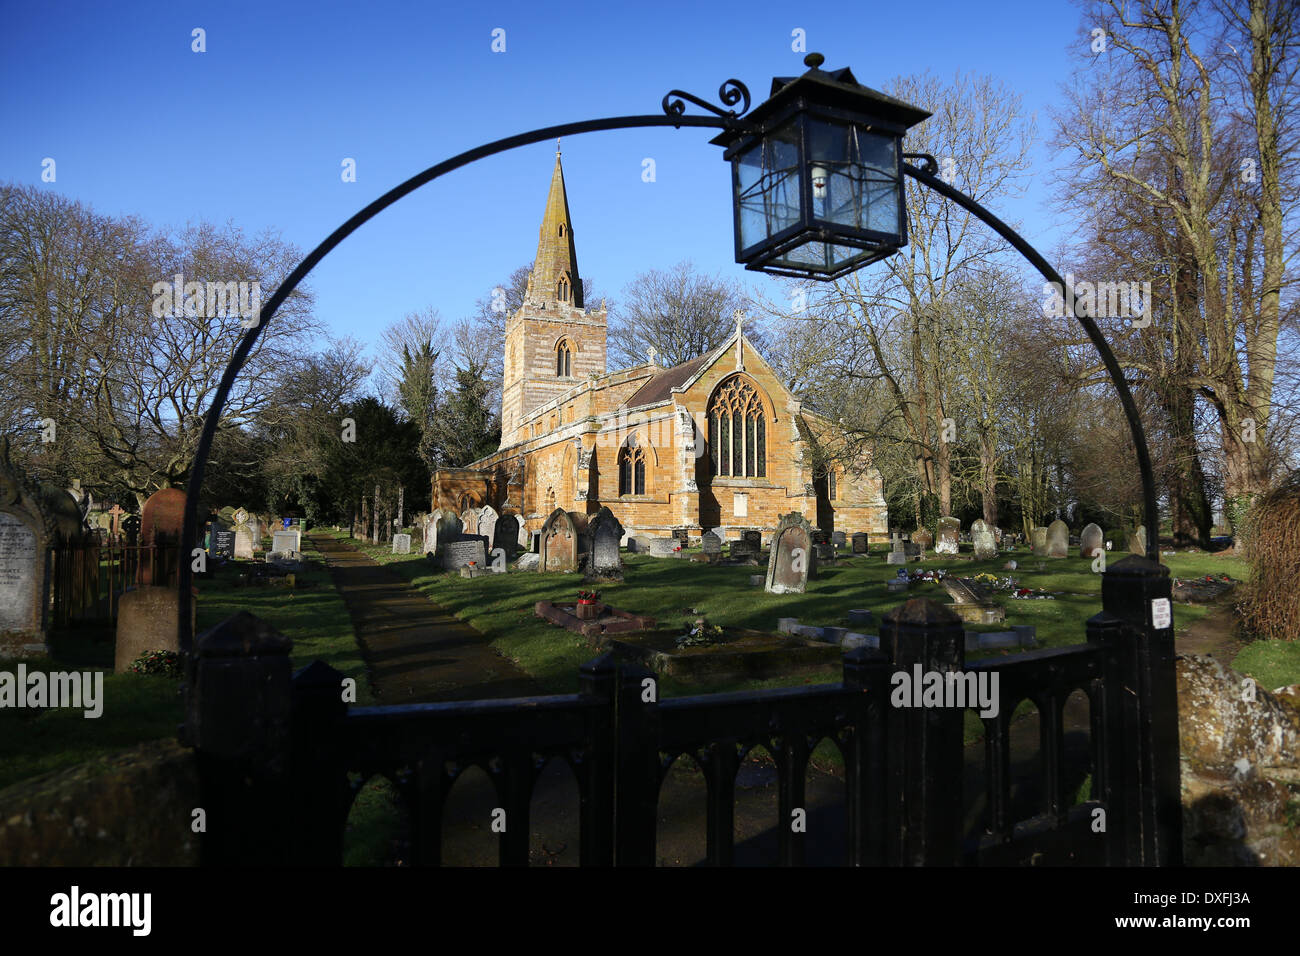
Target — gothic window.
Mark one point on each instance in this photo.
(562, 293)
(561, 230)
(563, 360)
(631, 470)
(831, 490)
(738, 431)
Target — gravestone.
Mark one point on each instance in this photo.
(1058, 539)
(146, 621)
(487, 525)
(283, 542)
(839, 539)
(682, 536)
(401, 544)
(255, 527)
(664, 547)
(948, 533)
(983, 540)
(1038, 541)
(754, 538)
(711, 543)
(506, 535)
(825, 552)
(606, 532)
(26, 531)
(160, 525)
(861, 540)
(559, 544)
(1137, 541)
(223, 544)
(742, 550)
(897, 553)
(792, 561)
(469, 521)
(243, 535)
(462, 552)
(923, 538)
(1092, 541)
(446, 527)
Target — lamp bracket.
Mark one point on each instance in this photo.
(931, 167)
(730, 93)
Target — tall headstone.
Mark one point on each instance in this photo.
(897, 553)
(1058, 539)
(605, 531)
(26, 531)
(401, 544)
(487, 525)
(1092, 541)
(559, 544)
(160, 527)
(861, 542)
(469, 521)
(446, 527)
(506, 535)
(983, 540)
(1038, 540)
(243, 535)
(791, 561)
(949, 532)
(1137, 541)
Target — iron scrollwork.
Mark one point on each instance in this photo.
(731, 92)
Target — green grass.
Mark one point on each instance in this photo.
(138, 708)
(501, 606)
(1272, 663)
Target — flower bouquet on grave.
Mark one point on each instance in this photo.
(700, 633)
(588, 605)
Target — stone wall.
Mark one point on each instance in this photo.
(133, 808)
(1240, 766)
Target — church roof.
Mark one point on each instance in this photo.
(660, 387)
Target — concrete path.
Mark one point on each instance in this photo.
(416, 652)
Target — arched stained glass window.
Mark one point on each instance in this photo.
(738, 430)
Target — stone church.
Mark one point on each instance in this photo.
(714, 443)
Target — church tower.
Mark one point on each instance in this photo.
(552, 343)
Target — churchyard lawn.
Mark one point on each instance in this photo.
(501, 606)
(137, 707)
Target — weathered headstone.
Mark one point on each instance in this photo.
(463, 552)
(401, 544)
(469, 521)
(861, 542)
(146, 621)
(606, 532)
(447, 527)
(839, 539)
(25, 534)
(559, 544)
(743, 550)
(664, 547)
(983, 540)
(283, 542)
(1092, 541)
(1058, 539)
(160, 526)
(923, 538)
(487, 525)
(1137, 541)
(897, 553)
(1038, 541)
(710, 543)
(754, 538)
(682, 535)
(949, 530)
(792, 561)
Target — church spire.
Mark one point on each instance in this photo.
(555, 271)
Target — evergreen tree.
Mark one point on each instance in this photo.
(466, 427)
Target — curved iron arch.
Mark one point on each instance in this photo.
(676, 119)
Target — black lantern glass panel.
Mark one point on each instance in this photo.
(817, 176)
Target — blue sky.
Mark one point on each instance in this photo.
(254, 130)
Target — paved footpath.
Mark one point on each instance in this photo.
(416, 651)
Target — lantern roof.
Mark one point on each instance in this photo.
(835, 90)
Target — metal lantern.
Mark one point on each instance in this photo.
(817, 175)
